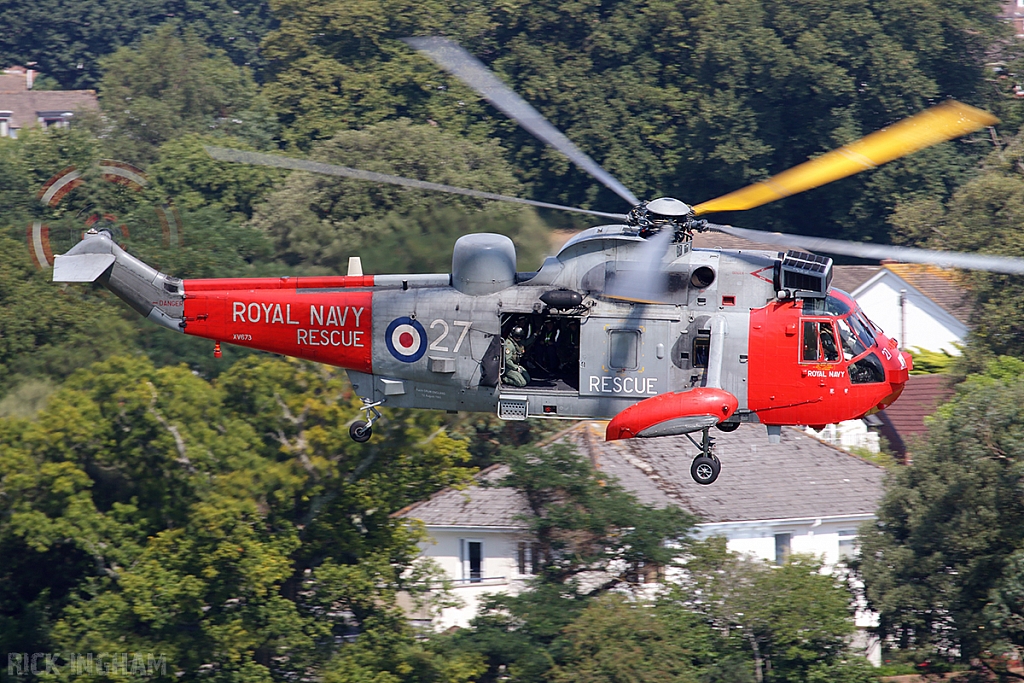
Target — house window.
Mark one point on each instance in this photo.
(472, 560)
(528, 559)
(5, 124)
(54, 119)
(847, 545)
(622, 349)
(782, 542)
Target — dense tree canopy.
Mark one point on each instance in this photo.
(941, 564)
(213, 523)
(67, 41)
(689, 100)
(321, 220)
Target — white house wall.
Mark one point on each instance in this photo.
(928, 325)
(499, 565)
(819, 537)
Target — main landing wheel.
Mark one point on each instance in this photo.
(705, 470)
(727, 426)
(360, 431)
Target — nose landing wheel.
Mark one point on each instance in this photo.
(706, 467)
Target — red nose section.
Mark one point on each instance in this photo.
(673, 413)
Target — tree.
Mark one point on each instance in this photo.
(320, 220)
(233, 527)
(68, 42)
(790, 623)
(46, 332)
(616, 639)
(689, 100)
(940, 565)
(172, 83)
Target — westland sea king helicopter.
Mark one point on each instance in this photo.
(628, 322)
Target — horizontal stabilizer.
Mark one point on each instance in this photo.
(81, 267)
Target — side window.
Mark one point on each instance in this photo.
(810, 345)
(819, 342)
(701, 349)
(622, 349)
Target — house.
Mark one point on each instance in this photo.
(921, 306)
(22, 107)
(903, 422)
(798, 496)
(1012, 12)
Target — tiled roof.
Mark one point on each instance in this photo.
(938, 284)
(800, 477)
(903, 421)
(849, 278)
(24, 104)
(483, 504)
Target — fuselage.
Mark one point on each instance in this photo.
(422, 341)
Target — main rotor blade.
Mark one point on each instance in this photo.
(943, 122)
(945, 259)
(238, 156)
(648, 283)
(470, 71)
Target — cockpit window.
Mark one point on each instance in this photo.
(819, 342)
(852, 345)
(868, 370)
(864, 331)
(830, 305)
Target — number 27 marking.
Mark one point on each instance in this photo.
(436, 345)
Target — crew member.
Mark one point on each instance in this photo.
(515, 374)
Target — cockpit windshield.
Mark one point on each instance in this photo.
(856, 332)
(830, 305)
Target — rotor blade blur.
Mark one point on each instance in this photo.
(473, 73)
(649, 282)
(258, 159)
(943, 259)
(943, 122)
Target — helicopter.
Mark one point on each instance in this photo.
(628, 322)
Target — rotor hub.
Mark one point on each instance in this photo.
(662, 213)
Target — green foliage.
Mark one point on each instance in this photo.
(789, 623)
(233, 527)
(940, 563)
(931, 362)
(616, 640)
(47, 332)
(188, 175)
(68, 41)
(321, 220)
(172, 83)
(691, 100)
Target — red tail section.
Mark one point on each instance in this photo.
(673, 413)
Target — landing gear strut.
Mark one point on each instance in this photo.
(706, 467)
(362, 430)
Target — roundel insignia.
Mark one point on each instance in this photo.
(406, 339)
